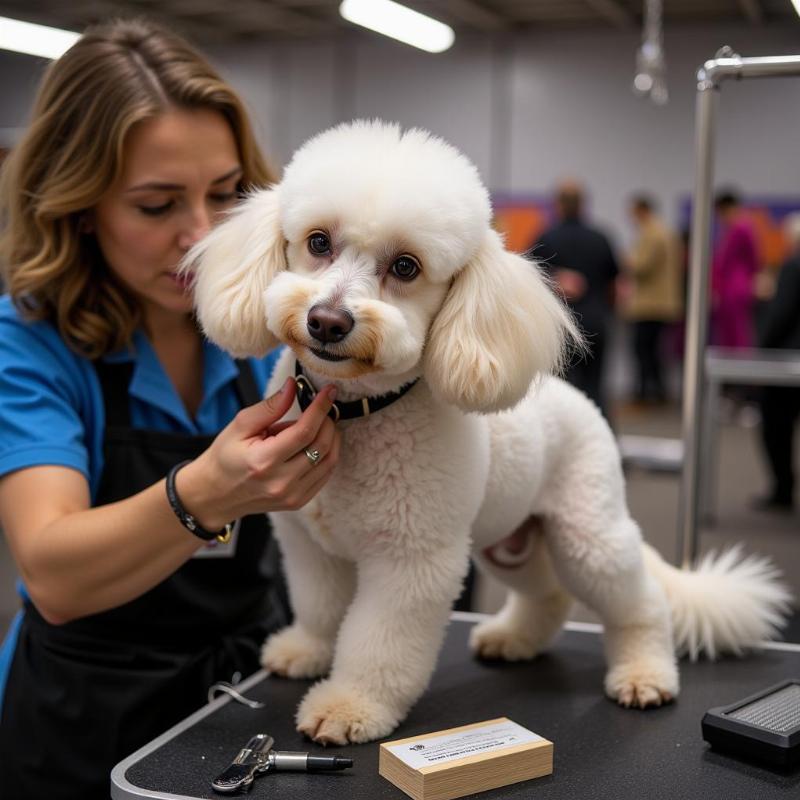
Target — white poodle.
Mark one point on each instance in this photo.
(375, 261)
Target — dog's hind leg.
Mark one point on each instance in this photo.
(536, 605)
(321, 587)
(600, 561)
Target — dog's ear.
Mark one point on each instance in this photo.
(232, 267)
(500, 326)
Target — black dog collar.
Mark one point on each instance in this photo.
(351, 409)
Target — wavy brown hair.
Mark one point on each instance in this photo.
(115, 75)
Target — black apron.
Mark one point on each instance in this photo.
(82, 696)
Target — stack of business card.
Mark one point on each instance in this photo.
(473, 758)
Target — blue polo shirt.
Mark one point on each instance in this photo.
(51, 404)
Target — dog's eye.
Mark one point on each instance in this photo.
(319, 244)
(405, 268)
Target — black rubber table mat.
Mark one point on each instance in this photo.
(601, 750)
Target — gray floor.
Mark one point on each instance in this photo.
(653, 500)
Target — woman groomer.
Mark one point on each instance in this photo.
(132, 606)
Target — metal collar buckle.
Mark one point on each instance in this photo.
(306, 393)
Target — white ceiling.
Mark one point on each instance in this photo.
(215, 20)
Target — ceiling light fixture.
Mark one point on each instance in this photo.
(796, 4)
(399, 22)
(34, 40)
(651, 69)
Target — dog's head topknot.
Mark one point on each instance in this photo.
(370, 172)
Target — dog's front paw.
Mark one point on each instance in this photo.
(643, 683)
(495, 638)
(295, 653)
(334, 713)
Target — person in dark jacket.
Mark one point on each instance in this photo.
(780, 405)
(582, 264)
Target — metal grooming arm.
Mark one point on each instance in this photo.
(727, 64)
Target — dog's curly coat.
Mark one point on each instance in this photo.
(375, 561)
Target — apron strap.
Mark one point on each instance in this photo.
(246, 386)
(115, 380)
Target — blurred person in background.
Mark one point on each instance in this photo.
(780, 405)
(652, 295)
(733, 273)
(581, 262)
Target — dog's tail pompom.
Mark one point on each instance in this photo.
(727, 604)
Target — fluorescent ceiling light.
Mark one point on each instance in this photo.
(400, 22)
(796, 4)
(35, 40)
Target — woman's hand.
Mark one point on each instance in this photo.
(258, 464)
(77, 560)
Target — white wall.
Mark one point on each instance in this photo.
(19, 76)
(576, 113)
(531, 109)
(527, 109)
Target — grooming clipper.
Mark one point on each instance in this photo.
(252, 759)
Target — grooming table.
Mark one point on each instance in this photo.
(602, 751)
(735, 368)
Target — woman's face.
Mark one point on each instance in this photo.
(180, 171)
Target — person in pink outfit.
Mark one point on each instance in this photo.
(733, 273)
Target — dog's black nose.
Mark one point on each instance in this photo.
(328, 324)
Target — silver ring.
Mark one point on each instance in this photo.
(312, 455)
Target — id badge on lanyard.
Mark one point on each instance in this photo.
(215, 549)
